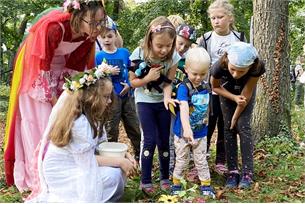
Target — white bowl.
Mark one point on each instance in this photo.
(112, 149)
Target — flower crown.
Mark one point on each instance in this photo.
(75, 4)
(158, 28)
(88, 77)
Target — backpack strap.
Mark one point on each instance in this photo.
(99, 45)
(240, 36)
(192, 90)
(205, 37)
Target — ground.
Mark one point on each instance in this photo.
(279, 171)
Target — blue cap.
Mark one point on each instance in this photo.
(110, 24)
(241, 54)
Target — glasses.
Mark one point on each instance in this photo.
(101, 23)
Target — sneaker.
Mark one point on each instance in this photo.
(232, 180)
(176, 189)
(221, 169)
(207, 191)
(148, 189)
(246, 181)
(165, 185)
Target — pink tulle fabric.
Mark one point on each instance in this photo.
(36, 46)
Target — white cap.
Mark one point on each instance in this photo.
(241, 54)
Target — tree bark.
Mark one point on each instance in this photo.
(272, 111)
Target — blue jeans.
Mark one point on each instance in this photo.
(155, 123)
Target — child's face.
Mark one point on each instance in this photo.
(196, 72)
(161, 44)
(220, 21)
(236, 72)
(108, 39)
(182, 45)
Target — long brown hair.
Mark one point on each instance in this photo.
(89, 101)
(166, 27)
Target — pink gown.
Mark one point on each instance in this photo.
(35, 109)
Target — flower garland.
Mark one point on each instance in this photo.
(88, 77)
(75, 4)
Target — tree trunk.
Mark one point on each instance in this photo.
(272, 111)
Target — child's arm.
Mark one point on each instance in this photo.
(247, 93)
(185, 121)
(220, 90)
(124, 163)
(152, 75)
(167, 89)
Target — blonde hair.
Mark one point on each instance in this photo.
(92, 7)
(165, 27)
(199, 56)
(229, 10)
(88, 101)
(176, 20)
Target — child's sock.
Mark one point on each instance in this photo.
(205, 182)
(176, 181)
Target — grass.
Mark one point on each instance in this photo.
(279, 170)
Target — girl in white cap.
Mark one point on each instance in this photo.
(234, 78)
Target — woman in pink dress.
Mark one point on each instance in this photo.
(59, 44)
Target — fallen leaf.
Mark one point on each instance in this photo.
(262, 173)
(256, 187)
(220, 194)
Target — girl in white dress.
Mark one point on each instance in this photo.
(69, 170)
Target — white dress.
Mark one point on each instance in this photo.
(71, 173)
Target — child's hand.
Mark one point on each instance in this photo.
(153, 74)
(133, 161)
(240, 100)
(188, 135)
(115, 70)
(168, 101)
(125, 89)
(127, 166)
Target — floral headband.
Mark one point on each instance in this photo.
(87, 78)
(158, 28)
(75, 4)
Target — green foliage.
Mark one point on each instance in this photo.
(15, 16)
(279, 146)
(134, 20)
(296, 28)
(4, 95)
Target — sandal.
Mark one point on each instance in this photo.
(165, 185)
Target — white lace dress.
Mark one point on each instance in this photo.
(71, 173)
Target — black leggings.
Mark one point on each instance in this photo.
(155, 122)
(243, 129)
(215, 116)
